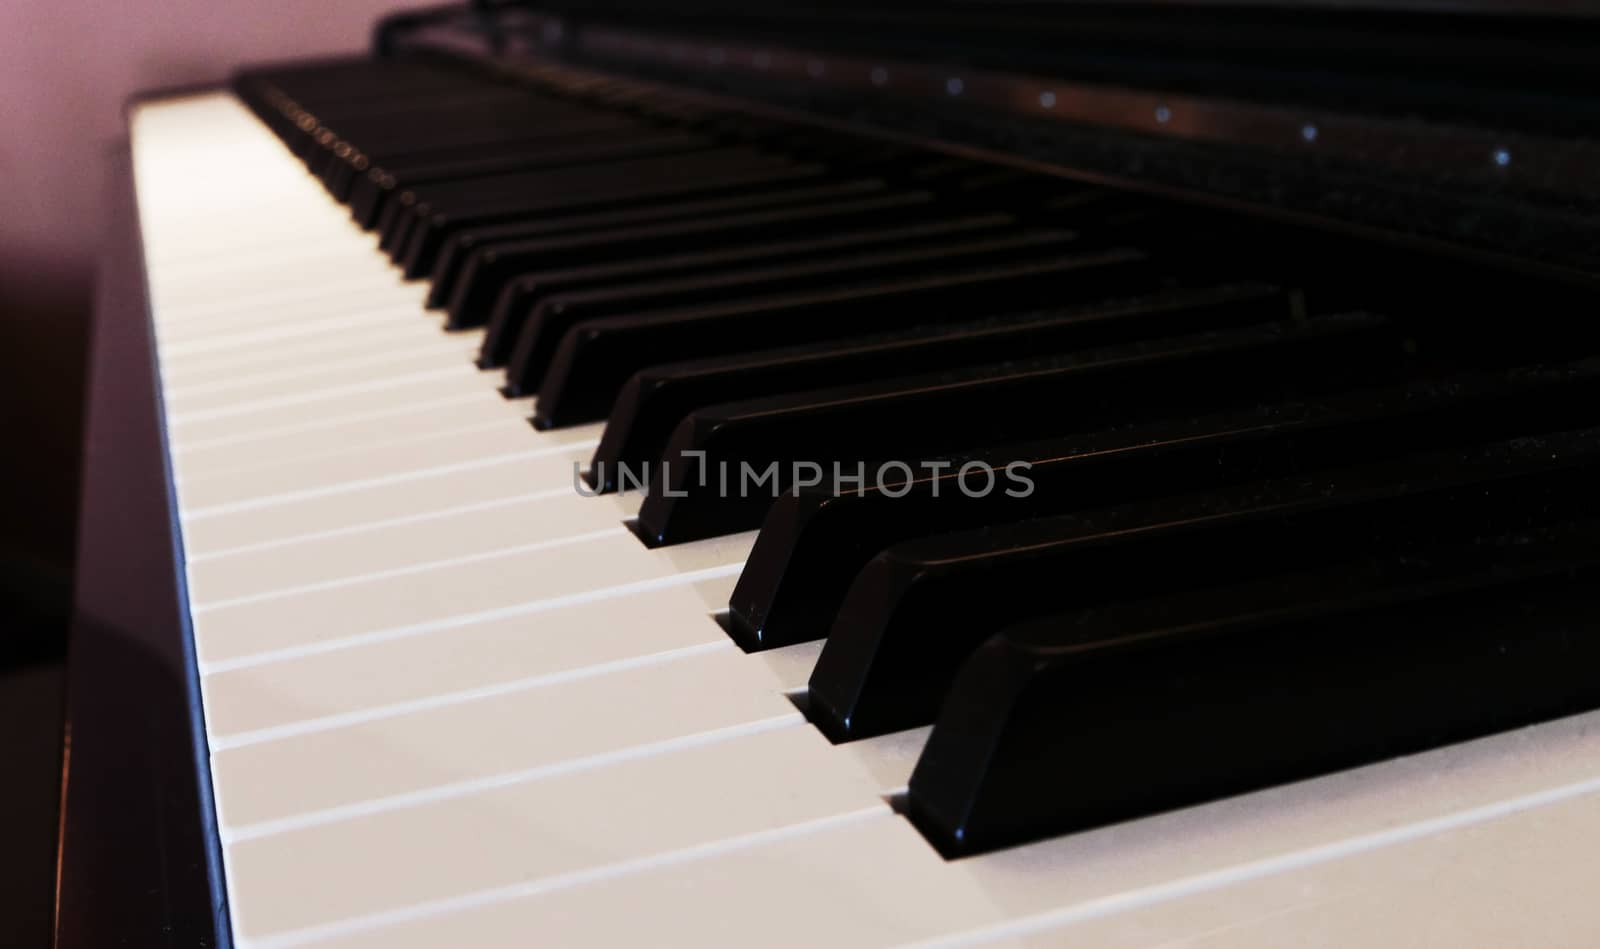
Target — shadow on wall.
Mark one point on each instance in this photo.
(66, 69)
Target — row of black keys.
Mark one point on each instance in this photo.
(1262, 542)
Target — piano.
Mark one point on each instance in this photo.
(865, 474)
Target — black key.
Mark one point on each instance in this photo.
(370, 187)
(904, 420)
(812, 545)
(346, 88)
(551, 191)
(481, 119)
(549, 322)
(517, 300)
(655, 400)
(489, 269)
(335, 163)
(480, 116)
(509, 193)
(394, 222)
(493, 198)
(490, 148)
(1090, 718)
(597, 356)
(919, 609)
(444, 109)
(458, 249)
(425, 231)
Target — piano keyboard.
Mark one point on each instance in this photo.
(455, 695)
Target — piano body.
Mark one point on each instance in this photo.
(1013, 473)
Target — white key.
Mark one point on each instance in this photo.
(506, 736)
(379, 499)
(546, 466)
(861, 879)
(336, 248)
(304, 405)
(1440, 889)
(875, 881)
(540, 831)
(501, 583)
(458, 533)
(200, 329)
(338, 432)
(312, 295)
(233, 457)
(269, 699)
(318, 353)
(243, 388)
(220, 343)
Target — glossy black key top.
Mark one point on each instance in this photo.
(516, 301)
(596, 357)
(372, 186)
(497, 130)
(510, 196)
(735, 174)
(519, 194)
(444, 114)
(812, 545)
(549, 322)
(1090, 718)
(477, 121)
(905, 420)
(655, 400)
(394, 222)
(919, 609)
(488, 270)
(475, 153)
(458, 249)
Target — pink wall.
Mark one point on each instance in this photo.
(66, 67)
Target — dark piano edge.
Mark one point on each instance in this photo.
(516, 41)
(139, 859)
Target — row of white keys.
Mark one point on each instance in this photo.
(452, 702)
(1485, 844)
(400, 632)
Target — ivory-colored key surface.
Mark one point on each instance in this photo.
(380, 498)
(242, 387)
(341, 434)
(492, 526)
(375, 678)
(469, 743)
(324, 353)
(548, 465)
(540, 830)
(516, 579)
